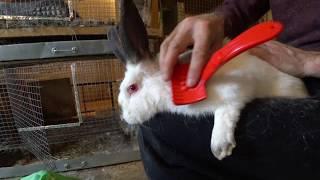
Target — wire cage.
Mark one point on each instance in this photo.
(9, 138)
(24, 98)
(67, 13)
(33, 13)
(45, 107)
(193, 7)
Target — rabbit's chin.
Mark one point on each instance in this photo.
(145, 104)
(153, 96)
(138, 117)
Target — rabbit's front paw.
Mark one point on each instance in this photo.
(222, 138)
(222, 143)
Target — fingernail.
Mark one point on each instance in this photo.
(191, 82)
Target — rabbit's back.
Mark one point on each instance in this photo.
(243, 79)
(262, 79)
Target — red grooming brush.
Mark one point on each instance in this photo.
(254, 36)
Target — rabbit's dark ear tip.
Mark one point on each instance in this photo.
(129, 39)
(133, 31)
(115, 43)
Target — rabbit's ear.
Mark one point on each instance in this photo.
(129, 38)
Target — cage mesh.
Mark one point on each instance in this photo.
(34, 13)
(9, 137)
(25, 101)
(39, 104)
(193, 7)
(97, 83)
(98, 86)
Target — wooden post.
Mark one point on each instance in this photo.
(169, 11)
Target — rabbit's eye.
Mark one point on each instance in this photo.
(132, 88)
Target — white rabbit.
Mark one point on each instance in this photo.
(143, 92)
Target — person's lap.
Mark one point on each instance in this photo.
(276, 139)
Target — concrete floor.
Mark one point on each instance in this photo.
(127, 171)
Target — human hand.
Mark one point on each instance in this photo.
(204, 32)
(288, 59)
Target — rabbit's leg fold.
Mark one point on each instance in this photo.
(222, 138)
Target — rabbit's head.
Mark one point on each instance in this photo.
(143, 92)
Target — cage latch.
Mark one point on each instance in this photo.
(73, 50)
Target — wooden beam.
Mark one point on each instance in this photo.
(169, 11)
(60, 31)
(155, 18)
(51, 31)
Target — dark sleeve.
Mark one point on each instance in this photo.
(240, 14)
(276, 139)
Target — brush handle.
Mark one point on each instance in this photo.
(255, 35)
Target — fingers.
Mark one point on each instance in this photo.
(200, 56)
(171, 48)
(163, 51)
(202, 32)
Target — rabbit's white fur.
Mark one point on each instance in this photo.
(236, 83)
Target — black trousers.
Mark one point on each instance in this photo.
(276, 139)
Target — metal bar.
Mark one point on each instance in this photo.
(73, 164)
(37, 128)
(43, 50)
(98, 83)
(76, 93)
(84, 102)
(6, 17)
(111, 94)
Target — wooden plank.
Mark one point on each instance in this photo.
(52, 31)
(169, 15)
(155, 16)
(61, 31)
(97, 10)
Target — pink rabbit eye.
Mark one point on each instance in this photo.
(132, 88)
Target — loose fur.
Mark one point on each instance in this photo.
(238, 82)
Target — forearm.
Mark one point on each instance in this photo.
(240, 14)
(288, 59)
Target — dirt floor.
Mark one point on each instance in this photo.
(128, 171)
